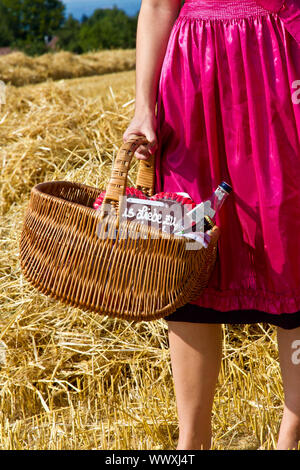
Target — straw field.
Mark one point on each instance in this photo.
(76, 380)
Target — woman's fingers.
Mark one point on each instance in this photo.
(142, 152)
(152, 139)
(143, 126)
(128, 133)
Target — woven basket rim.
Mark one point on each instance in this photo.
(38, 189)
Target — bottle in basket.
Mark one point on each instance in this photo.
(202, 217)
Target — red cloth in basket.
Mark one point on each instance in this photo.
(131, 191)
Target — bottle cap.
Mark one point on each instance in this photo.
(208, 223)
(226, 187)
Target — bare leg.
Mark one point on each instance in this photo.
(196, 353)
(289, 433)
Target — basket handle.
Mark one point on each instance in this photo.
(116, 186)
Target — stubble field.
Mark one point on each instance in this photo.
(76, 380)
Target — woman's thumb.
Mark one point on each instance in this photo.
(152, 138)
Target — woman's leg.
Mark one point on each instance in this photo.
(196, 353)
(288, 344)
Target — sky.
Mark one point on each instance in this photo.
(86, 7)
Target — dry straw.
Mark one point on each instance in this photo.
(19, 69)
(77, 380)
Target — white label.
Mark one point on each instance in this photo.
(148, 202)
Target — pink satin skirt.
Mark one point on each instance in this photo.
(228, 109)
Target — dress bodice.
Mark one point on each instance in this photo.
(221, 9)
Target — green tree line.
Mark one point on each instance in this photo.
(27, 25)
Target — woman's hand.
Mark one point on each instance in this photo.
(143, 124)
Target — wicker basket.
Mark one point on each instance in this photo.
(63, 254)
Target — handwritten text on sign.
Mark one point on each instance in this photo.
(166, 215)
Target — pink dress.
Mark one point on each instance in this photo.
(229, 109)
